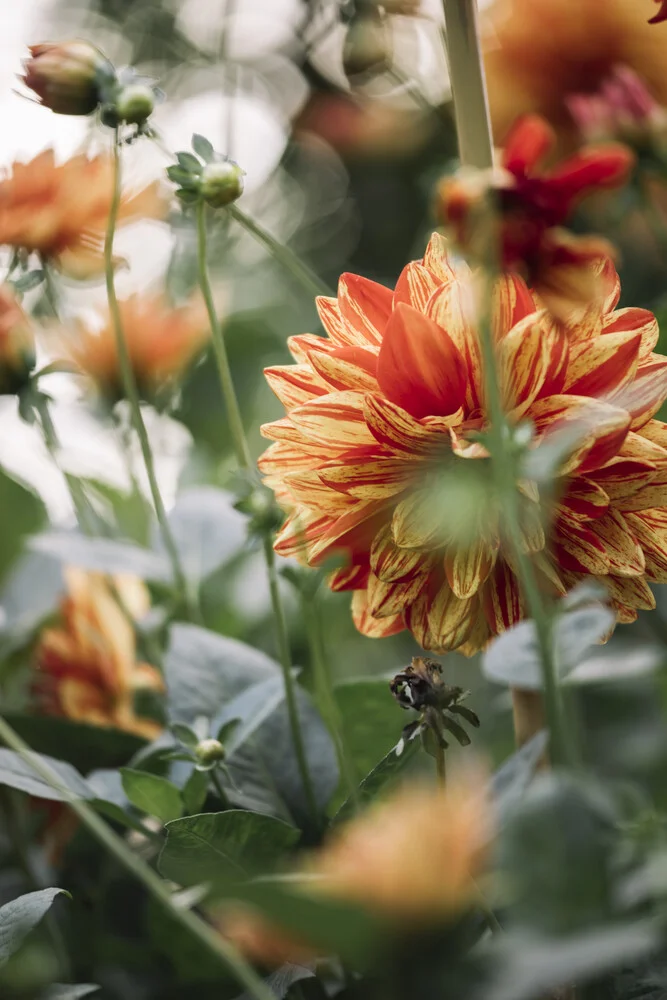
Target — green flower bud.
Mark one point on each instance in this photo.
(221, 183)
(66, 75)
(135, 103)
(209, 751)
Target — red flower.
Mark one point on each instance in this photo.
(662, 13)
(533, 206)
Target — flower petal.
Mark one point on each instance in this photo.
(632, 592)
(307, 488)
(624, 551)
(644, 396)
(374, 628)
(468, 566)
(395, 428)
(512, 302)
(454, 309)
(336, 419)
(347, 368)
(584, 500)
(419, 367)
(365, 306)
(652, 494)
(304, 344)
(601, 366)
(501, 599)
(451, 620)
(390, 563)
(603, 428)
(527, 144)
(440, 262)
(524, 358)
(634, 320)
(393, 598)
(650, 529)
(354, 576)
(590, 169)
(578, 548)
(295, 384)
(415, 286)
(331, 319)
(352, 533)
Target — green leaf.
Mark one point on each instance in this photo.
(203, 148)
(86, 747)
(106, 555)
(372, 720)
(129, 513)
(381, 778)
(214, 848)
(63, 991)
(184, 734)
(19, 917)
(28, 281)
(152, 794)
(17, 773)
(513, 659)
(189, 162)
(208, 532)
(194, 791)
(513, 777)
(24, 511)
(281, 981)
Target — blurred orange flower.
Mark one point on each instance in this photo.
(539, 51)
(87, 665)
(374, 457)
(66, 75)
(162, 340)
(532, 206)
(17, 343)
(411, 859)
(60, 211)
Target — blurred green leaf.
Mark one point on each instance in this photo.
(213, 848)
(194, 791)
(24, 511)
(208, 532)
(152, 794)
(19, 917)
(513, 777)
(130, 513)
(203, 148)
(86, 747)
(281, 981)
(106, 555)
(381, 778)
(372, 720)
(17, 773)
(63, 991)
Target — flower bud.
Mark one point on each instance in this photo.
(17, 344)
(221, 183)
(367, 47)
(135, 103)
(209, 751)
(66, 75)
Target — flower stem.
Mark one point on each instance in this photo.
(246, 464)
(117, 847)
(130, 382)
(473, 125)
(440, 764)
(300, 271)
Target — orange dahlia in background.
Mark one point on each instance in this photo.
(17, 343)
(162, 340)
(539, 51)
(87, 666)
(376, 458)
(377, 862)
(60, 211)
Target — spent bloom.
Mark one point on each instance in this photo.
(622, 108)
(17, 343)
(410, 860)
(161, 339)
(66, 76)
(377, 457)
(87, 666)
(60, 211)
(533, 204)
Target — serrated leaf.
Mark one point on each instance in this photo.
(214, 848)
(203, 148)
(152, 794)
(18, 918)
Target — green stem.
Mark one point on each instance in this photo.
(217, 784)
(245, 462)
(440, 764)
(466, 70)
(300, 271)
(190, 921)
(325, 697)
(130, 383)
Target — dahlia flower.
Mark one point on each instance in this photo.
(380, 414)
(87, 666)
(533, 204)
(60, 211)
(161, 340)
(372, 861)
(17, 343)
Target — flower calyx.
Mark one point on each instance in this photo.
(204, 175)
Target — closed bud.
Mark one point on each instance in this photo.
(209, 751)
(17, 344)
(221, 183)
(135, 103)
(66, 75)
(367, 47)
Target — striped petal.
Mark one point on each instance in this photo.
(656, 432)
(354, 576)
(439, 261)
(639, 321)
(299, 531)
(303, 345)
(394, 427)
(652, 494)
(467, 567)
(352, 533)
(308, 489)
(650, 529)
(450, 620)
(390, 563)
(579, 549)
(501, 600)
(632, 592)
(347, 368)
(386, 599)
(584, 500)
(331, 319)
(415, 524)
(415, 286)
(512, 302)
(601, 366)
(336, 419)
(523, 361)
(374, 628)
(603, 428)
(374, 479)
(283, 455)
(644, 396)
(295, 384)
(454, 309)
(624, 551)
(419, 367)
(365, 307)
(416, 619)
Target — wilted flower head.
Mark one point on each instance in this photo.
(411, 860)
(532, 205)
(161, 340)
(87, 664)
(377, 456)
(17, 343)
(66, 76)
(622, 108)
(60, 211)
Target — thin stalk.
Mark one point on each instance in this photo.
(245, 462)
(129, 380)
(190, 921)
(440, 764)
(217, 784)
(84, 514)
(326, 699)
(300, 271)
(466, 73)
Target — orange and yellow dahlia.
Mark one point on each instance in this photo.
(87, 665)
(381, 417)
(60, 211)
